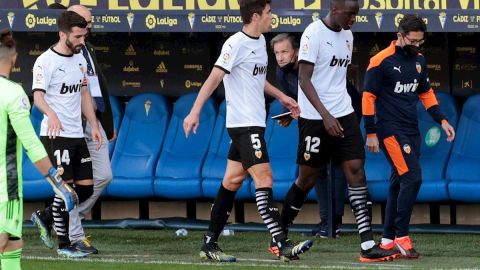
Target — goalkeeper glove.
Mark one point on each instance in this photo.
(62, 189)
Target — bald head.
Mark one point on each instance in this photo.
(82, 11)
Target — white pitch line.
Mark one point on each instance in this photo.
(134, 261)
(379, 264)
(217, 264)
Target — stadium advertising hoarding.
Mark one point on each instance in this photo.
(223, 15)
(170, 63)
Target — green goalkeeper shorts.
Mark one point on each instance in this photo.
(11, 217)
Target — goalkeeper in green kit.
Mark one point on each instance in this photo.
(16, 130)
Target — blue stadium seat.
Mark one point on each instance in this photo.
(138, 146)
(179, 169)
(216, 161)
(377, 171)
(282, 146)
(435, 150)
(35, 187)
(117, 111)
(463, 169)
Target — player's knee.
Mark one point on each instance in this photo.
(355, 176)
(101, 185)
(16, 243)
(13, 242)
(104, 176)
(414, 182)
(307, 183)
(3, 242)
(83, 192)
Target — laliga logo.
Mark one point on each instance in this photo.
(30, 20)
(150, 21)
(275, 21)
(191, 19)
(443, 19)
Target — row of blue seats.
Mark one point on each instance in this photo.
(152, 158)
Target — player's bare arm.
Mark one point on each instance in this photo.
(54, 124)
(89, 113)
(332, 125)
(212, 82)
(286, 101)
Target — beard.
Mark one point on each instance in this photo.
(74, 49)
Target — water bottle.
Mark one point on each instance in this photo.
(181, 232)
(228, 232)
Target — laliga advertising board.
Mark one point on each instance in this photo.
(223, 15)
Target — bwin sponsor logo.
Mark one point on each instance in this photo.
(259, 70)
(407, 87)
(339, 62)
(71, 88)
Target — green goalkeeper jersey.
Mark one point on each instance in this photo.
(15, 130)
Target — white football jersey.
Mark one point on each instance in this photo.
(330, 52)
(245, 61)
(61, 77)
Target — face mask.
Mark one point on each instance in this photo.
(411, 49)
(288, 67)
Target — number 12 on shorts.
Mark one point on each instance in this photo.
(312, 144)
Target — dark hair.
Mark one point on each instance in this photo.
(284, 36)
(336, 3)
(6, 39)
(56, 6)
(250, 7)
(411, 23)
(69, 19)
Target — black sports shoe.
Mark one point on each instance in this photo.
(70, 252)
(211, 251)
(378, 254)
(43, 227)
(273, 248)
(85, 246)
(289, 251)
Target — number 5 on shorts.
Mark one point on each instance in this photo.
(256, 144)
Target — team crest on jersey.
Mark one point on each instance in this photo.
(226, 58)
(407, 149)
(305, 49)
(419, 67)
(39, 77)
(258, 154)
(349, 46)
(306, 156)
